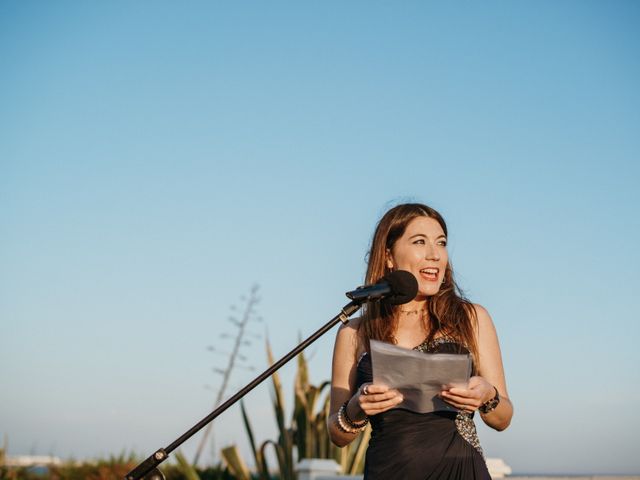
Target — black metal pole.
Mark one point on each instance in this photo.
(150, 464)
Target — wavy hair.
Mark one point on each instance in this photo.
(450, 314)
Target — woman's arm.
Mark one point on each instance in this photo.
(343, 379)
(491, 369)
(343, 387)
(490, 374)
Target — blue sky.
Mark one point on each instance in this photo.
(157, 159)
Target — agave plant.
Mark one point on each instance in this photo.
(312, 436)
(305, 437)
(185, 469)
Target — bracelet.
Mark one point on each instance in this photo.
(350, 422)
(346, 424)
(490, 405)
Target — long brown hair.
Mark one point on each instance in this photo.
(450, 314)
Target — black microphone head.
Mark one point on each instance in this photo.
(404, 287)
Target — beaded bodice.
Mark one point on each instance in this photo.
(442, 345)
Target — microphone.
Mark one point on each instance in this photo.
(395, 288)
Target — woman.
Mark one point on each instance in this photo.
(404, 444)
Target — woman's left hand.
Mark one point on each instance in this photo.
(469, 399)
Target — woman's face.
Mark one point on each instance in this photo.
(421, 250)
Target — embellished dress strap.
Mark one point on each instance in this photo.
(433, 345)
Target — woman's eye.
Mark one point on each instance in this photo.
(443, 243)
(419, 242)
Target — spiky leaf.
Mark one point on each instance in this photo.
(185, 468)
(235, 463)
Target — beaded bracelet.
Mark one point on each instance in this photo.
(346, 424)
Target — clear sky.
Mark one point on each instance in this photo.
(158, 158)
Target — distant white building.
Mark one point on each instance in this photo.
(31, 461)
(497, 468)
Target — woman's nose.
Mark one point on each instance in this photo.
(432, 253)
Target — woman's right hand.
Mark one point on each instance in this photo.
(374, 399)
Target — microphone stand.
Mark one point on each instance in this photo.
(148, 468)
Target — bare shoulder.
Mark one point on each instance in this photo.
(350, 329)
(481, 312)
(348, 337)
(484, 321)
(353, 323)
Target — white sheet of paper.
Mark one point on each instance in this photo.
(419, 376)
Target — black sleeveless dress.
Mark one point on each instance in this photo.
(405, 445)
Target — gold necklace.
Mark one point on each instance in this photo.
(413, 312)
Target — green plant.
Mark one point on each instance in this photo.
(183, 470)
(187, 471)
(312, 436)
(306, 436)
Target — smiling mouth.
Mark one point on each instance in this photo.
(430, 273)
